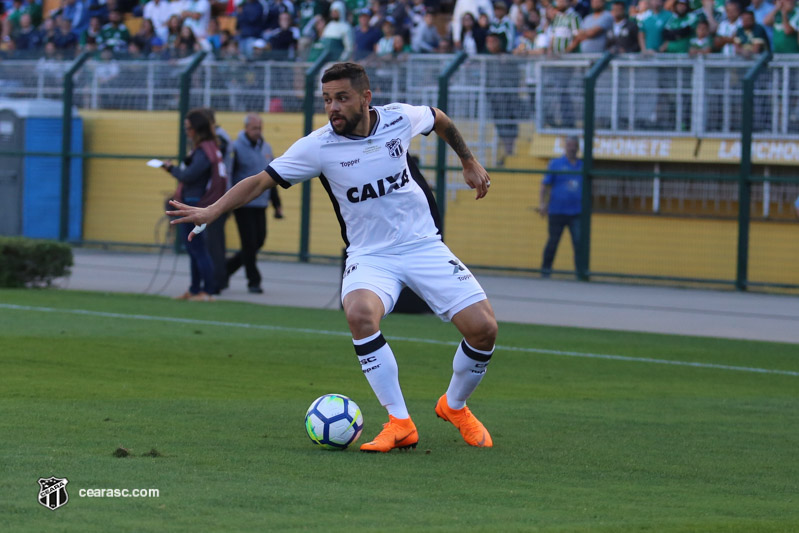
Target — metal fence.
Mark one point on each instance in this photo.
(666, 95)
(496, 100)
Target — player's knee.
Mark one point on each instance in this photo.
(484, 335)
(363, 320)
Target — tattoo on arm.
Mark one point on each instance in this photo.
(453, 138)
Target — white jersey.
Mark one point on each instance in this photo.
(379, 202)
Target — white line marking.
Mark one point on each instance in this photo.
(405, 339)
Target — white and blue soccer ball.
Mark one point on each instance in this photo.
(333, 421)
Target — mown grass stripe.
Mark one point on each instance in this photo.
(312, 331)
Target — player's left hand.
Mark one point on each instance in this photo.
(477, 178)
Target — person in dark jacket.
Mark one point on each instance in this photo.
(623, 36)
(250, 154)
(200, 183)
(249, 25)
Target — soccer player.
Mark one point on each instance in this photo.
(389, 224)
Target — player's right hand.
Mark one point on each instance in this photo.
(188, 214)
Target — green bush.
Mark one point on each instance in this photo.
(29, 262)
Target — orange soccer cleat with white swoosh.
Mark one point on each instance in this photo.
(397, 433)
(472, 430)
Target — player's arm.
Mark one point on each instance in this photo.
(240, 194)
(474, 174)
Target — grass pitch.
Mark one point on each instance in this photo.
(218, 392)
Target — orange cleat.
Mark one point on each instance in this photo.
(397, 433)
(472, 430)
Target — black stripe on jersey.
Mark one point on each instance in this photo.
(434, 123)
(275, 176)
(416, 174)
(336, 208)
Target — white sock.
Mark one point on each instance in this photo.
(380, 368)
(468, 369)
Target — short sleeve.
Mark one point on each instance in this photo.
(549, 178)
(299, 163)
(422, 117)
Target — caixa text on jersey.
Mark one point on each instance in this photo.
(378, 188)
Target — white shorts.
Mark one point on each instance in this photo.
(428, 268)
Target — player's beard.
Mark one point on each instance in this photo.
(349, 124)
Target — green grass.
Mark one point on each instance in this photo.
(581, 444)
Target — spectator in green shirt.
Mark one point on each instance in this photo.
(651, 24)
(785, 21)
(679, 29)
(564, 28)
(114, 35)
(702, 44)
(751, 37)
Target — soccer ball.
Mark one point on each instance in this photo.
(333, 421)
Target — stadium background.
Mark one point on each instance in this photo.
(667, 139)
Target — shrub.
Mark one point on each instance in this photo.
(29, 262)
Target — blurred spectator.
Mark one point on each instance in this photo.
(761, 9)
(173, 32)
(143, 37)
(728, 28)
(337, 34)
(283, 42)
(560, 199)
(397, 10)
(114, 35)
(305, 12)
(310, 36)
(623, 36)
(425, 37)
(213, 37)
(565, 26)
(527, 43)
(99, 9)
(385, 46)
(249, 23)
(27, 38)
(90, 35)
(250, 154)
(475, 8)
(65, 41)
(505, 106)
(472, 38)
(186, 43)
(158, 11)
(784, 21)
(502, 25)
(679, 29)
(196, 14)
(593, 35)
(366, 36)
(751, 37)
(272, 11)
(23, 7)
(650, 27)
(702, 44)
(78, 15)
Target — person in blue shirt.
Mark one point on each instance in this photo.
(561, 199)
(796, 205)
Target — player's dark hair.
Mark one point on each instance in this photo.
(201, 123)
(348, 71)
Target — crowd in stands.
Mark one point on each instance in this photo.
(365, 29)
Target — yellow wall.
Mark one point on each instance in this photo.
(124, 202)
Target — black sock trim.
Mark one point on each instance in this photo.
(477, 356)
(371, 346)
